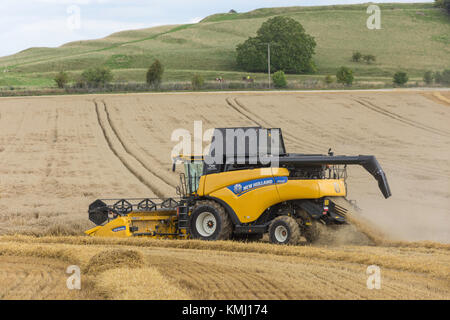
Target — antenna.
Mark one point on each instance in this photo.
(330, 153)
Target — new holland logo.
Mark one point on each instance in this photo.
(237, 188)
(244, 187)
(122, 228)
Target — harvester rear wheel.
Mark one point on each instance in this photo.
(209, 221)
(284, 230)
(312, 232)
(310, 228)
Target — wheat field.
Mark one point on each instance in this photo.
(58, 154)
(172, 269)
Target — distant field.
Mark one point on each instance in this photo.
(414, 38)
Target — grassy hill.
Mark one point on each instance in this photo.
(414, 38)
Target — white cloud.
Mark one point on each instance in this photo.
(196, 20)
(55, 32)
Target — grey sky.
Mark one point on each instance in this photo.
(50, 23)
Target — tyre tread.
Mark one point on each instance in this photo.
(293, 226)
(227, 226)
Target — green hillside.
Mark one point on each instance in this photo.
(414, 38)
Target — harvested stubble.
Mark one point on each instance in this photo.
(228, 270)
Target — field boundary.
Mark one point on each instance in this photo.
(237, 92)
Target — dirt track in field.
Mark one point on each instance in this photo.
(58, 154)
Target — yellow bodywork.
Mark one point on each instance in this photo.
(146, 222)
(249, 205)
(248, 192)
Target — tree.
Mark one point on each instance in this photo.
(428, 77)
(279, 79)
(445, 4)
(197, 82)
(61, 79)
(250, 56)
(369, 58)
(437, 77)
(345, 76)
(356, 57)
(98, 76)
(154, 74)
(400, 78)
(292, 48)
(442, 77)
(445, 78)
(329, 79)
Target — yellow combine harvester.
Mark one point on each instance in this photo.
(237, 191)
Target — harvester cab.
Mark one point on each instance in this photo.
(193, 170)
(246, 186)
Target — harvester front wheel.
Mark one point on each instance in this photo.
(284, 230)
(209, 221)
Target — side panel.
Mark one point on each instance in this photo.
(142, 222)
(248, 206)
(156, 221)
(201, 186)
(250, 192)
(118, 227)
(332, 188)
(311, 189)
(251, 203)
(299, 189)
(247, 192)
(216, 181)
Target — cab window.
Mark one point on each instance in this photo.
(193, 171)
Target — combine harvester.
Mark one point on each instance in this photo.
(242, 193)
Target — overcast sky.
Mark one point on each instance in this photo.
(50, 23)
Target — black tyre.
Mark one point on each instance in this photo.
(310, 228)
(209, 221)
(284, 230)
(312, 232)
